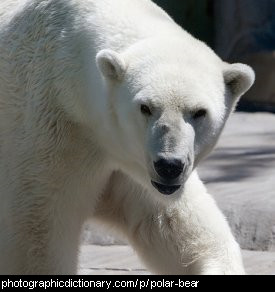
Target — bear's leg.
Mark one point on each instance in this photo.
(185, 236)
(41, 237)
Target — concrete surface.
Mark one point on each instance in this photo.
(121, 260)
(240, 174)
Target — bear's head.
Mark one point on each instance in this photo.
(168, 103)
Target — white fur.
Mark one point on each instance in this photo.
(74, 144)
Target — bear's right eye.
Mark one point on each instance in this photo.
(199, 114)
(145, 110)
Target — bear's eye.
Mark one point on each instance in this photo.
(199, 114)
(145, 110)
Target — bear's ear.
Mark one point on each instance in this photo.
(111, 64)
(238, 78)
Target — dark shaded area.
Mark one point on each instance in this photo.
(244, 163)
(244, 27)
(204, 18)
(195, 16)
(252, 106)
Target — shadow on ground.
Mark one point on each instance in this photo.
(231, 164)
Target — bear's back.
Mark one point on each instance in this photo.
(124, 22)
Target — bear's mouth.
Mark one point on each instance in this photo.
(165, 189)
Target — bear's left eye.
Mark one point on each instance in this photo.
(145, 110)
(199, 114)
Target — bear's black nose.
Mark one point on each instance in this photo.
(169, 169)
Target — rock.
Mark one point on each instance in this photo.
(240, 175)
(97, 234)
(122, 260)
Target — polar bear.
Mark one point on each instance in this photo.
(106, 109)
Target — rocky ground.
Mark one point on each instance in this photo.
(240, 174)
(122, 260)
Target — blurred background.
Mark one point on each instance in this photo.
(238, 31)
